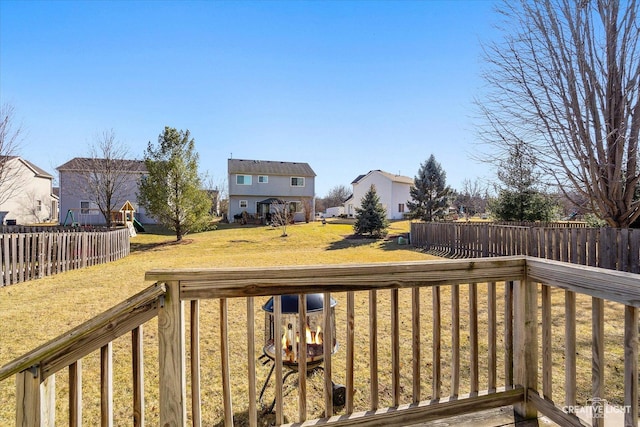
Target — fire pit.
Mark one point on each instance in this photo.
(290, 339)
(291, 334)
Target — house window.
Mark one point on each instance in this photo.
(297, 181)
(263, 179)
(88, 208)
(38, 205)
(243, 179)
(243, 204)
(400, 207)
(295, 207)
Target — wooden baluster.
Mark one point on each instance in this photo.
(473, 336)
(75, 394)
(302, 358)
(508, 333)
(137, 361)
(106, 385)
(350, 351)
(251, 361)
(455, 340)
(327, 349)
(547, 349)
(226, 366)
(437, 356)
(373, 348)
(415, 330)
(277, 341)
(395, 347)
(570, 348)
(631, 365)
(597, 361)
(196, 399)
(492, 335)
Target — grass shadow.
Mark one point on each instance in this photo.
(389, 243)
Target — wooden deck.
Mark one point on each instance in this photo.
(493, 330)
(499, 417)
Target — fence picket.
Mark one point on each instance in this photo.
(32, 255)
(604, 247)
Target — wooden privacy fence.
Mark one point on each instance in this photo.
(33, 255)
(612, 248)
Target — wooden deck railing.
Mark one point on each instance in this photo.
(419, 341)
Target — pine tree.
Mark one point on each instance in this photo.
(430, 193)
(172, 189)
(371, 217)
(519, 199)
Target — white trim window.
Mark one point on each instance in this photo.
(263, 179)
(243, 204)
(295, 207)
(297, 181)
(243, 179)
(38, 205)
(88, 208)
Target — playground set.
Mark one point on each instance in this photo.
(78, 217)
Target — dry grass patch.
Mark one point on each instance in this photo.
(34, 312)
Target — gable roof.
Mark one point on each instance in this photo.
(37, 171)
(269, 167)
(80, 163)
(392, 177)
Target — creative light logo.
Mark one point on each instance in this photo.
(596, 407)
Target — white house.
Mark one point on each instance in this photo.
(393, 191)
(26, 192)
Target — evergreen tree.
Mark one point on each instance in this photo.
(518, 198)
(371, 217)
(172, 189)
(429, 193)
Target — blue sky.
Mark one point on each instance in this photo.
(347, 86)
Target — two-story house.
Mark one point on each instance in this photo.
(393, 191)
(254, 185)
(78, 197)
(26, 192)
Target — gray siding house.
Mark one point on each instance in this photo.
(255, 184)
(76, 195)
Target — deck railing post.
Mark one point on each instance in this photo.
(525, 343)
(35, 399)
(172, 365)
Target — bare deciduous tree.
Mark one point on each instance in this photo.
(10, 139)
(565, 81)
(106, 175)
(281, 215)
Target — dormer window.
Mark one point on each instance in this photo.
(297, 181)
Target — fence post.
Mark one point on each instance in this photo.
(525, 343)
(171, 355)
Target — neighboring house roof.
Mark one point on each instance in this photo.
(269, 167)
(394, 178)
(80, 163)
(37, 171)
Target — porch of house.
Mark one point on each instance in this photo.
(479, 342)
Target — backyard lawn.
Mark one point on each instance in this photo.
(33, 312)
